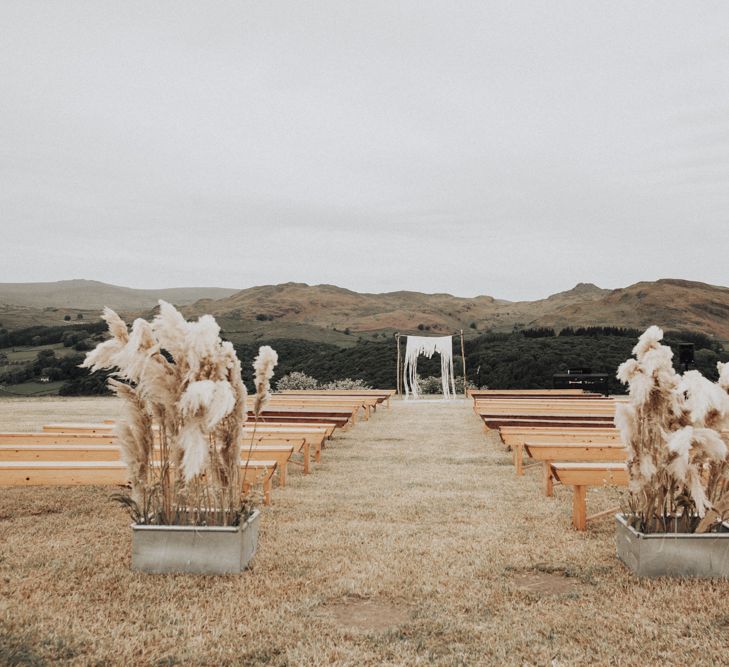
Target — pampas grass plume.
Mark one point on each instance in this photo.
(263, 366)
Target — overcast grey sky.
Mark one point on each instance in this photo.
(504, 148)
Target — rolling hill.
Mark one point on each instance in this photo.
(326, 313)
(29, 304)
(94, 295)
(673, 304)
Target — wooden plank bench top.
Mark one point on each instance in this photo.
(540, 410)
(60, 452)
(79, 427)
(591, 474)
(575, 451)
(548, 415)
(341, 419)
(538, 402)
(337, 392)
(314, 411)
(547, 453)
(314, 440)
(511, 439)
(281, 453)
(355, 402)
(565, 451)
(300, 446)
(266, 427)
(498, 422)
(530, 392)
(43, 437)
(364, 404)
(328, 427)
(381, 396)
(107, 429)
(583, 475)
(106, 473)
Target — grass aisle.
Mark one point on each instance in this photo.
(412, 543)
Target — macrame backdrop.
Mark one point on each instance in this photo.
(428, 346)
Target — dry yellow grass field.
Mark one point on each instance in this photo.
(412, 543)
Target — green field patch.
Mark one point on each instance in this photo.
(31, 389)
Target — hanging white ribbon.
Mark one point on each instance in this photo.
(428, 346)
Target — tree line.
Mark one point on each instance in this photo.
(523, 359)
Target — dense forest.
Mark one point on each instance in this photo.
(525, 359)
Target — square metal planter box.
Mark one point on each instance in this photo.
(195, 549)
(704, 555)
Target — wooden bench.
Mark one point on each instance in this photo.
(342, 419)
(548, 453)
(367, 405)
(527, 411)
(106, 473)
(512, 435)
(548, 393)
(329, 428)
(302, 439)
(583, 475)
(315, 440)
(298, 445)
(519, 447)
(281, 453)
(496, 422)
(380, 395)
(45, 438)
(60, 452)
(80, 428)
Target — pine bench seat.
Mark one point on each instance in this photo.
(513, 435)
(45, 438)
(571, 449)
(496, 422)
(547, 453)
(342, 420)
(281, 453)
(106, 473)
(315, 439)
(583, 475)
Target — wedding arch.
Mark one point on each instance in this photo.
(407, 382)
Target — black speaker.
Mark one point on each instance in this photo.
(686, 353)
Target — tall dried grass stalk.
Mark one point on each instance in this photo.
(263, 366)
(184, 409)
(677, 454)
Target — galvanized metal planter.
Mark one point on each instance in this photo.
(195, 549)
(672, 554)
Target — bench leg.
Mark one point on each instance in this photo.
(306, 457)
(519, 458)
(548, 480)
(267, 490)
(579, 508)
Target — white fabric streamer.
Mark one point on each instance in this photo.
(428, 346)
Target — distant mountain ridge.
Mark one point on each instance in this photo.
(327, 313)
(91, 294)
